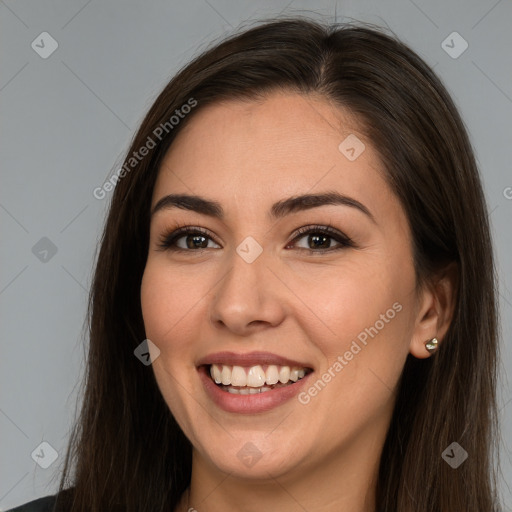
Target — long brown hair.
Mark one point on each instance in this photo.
(127, 451)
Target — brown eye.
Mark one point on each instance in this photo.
(319, 239)
(195, 239)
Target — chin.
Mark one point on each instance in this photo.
(251, 463)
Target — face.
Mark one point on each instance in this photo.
(307, 308)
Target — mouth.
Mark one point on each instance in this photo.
(252, 380)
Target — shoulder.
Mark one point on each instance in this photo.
(40, 505)
(46, 503)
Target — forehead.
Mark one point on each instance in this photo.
(253, 153)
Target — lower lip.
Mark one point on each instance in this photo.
(250, 404)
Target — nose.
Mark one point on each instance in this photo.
(249, 298)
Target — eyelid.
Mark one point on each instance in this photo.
(169, 237)
(323, 228)
(328, 230)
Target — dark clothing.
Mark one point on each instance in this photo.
(40, 505)
(47, 503)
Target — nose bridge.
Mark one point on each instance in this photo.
(245, 295)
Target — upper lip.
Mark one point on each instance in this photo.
(250, 359)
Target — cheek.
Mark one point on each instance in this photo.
(364, 314)
(169, 299)
(347, 302)
(167, 302)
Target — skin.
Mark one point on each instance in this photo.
(323, 455)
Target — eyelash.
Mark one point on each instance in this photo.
(168, 240)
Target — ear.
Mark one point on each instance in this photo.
(435, 310)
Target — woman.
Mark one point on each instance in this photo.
(298, 243)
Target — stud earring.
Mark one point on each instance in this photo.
(432, 345)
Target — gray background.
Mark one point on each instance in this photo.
(67, 120)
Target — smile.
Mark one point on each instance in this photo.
(255, 379)
(252, 382)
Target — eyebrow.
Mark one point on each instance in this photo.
(278, 210)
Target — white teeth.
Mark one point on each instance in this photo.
(226, 375)
(215, 373)
(245, 391)
(238, 376)
(272, 374)
(255, 377)
(284, 374)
